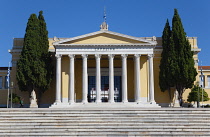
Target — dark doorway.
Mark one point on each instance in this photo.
(104, 88)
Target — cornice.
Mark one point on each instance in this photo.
(104, 45)
(107, 32)
(196, 51)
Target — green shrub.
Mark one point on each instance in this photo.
(15, 98)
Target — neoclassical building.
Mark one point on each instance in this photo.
(103, 67)
(105, 81)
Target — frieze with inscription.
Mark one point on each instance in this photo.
(104, 49)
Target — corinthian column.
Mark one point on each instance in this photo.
(137, 77)
(84, 79)
(58, 78)
(71, 79)
(124, 78)
(151, 78)
(98, 78)
(111, 78)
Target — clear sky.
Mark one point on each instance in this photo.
(140, 18)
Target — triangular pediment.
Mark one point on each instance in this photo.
(104, 37)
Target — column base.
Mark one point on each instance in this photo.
(59, 105)
(71, 103)
(111, 102)
(125, 101)
(84, 102)
(153, 103)
(98, 102)
(138, 101)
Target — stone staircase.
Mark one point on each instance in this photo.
(100, 122)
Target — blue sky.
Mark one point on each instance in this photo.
(140, 18)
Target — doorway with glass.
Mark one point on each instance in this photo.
(104, 88)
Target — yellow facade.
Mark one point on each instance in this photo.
(48, 97)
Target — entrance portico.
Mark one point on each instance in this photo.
(109, 46)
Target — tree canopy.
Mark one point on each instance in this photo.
(34, 70)
(177, 63)
(167, 65)
(185, 72)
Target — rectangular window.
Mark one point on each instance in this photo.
(1, 82)
(208, 80)
(6, 83)
(202, 81)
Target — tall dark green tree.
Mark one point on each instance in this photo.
(27, 65)
(163, 82)
(34, 69)
(46, 78)
(185, 70)
(167, 64)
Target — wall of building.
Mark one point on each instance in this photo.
(3, 86)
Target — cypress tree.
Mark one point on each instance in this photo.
(34, 68)
(27, 64)
(184, 70)
(167, 63)
(163, 82)
(46, 77)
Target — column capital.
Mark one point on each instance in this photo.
(58, 56)
(71, 55)
(98, 55)
(84, 55)
(137, 55)
(111, 56)
(124, 55)
(150, 55)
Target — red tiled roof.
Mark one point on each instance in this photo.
(204, 67)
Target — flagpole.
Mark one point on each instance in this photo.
(8, 73)
(11, 93)
(202, 83)
(202, 97)
(8, 98)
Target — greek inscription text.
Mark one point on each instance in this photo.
(104, 49)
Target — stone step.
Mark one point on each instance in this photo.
(107, 124)
(101, 109)
(162, 110)
(111, 134)
(103, 114)
(61, 130)
(100, 116)
(107, 127)
(102, 120)
(135, 120)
